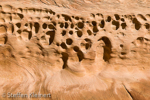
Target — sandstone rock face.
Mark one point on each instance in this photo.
(75, 49)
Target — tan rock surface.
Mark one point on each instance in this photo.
(75, 49)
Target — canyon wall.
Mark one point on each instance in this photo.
(75, 50)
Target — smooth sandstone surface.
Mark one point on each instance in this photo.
(75, 49)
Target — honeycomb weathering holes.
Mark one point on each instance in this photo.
(68, 24)
(70, 43)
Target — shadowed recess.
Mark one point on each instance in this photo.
(18, 25)
(102, 24)
(63, 45)
(137, 24)
(64, 58)
(52, 36)
(107, 49)
(80, 55)
(66, 17)
(116, 23)
(37, 26)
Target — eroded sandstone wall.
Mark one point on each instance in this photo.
(74, 57)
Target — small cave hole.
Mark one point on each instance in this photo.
(123, 53)
(80, 25)
(80, 55)
(30, 35)
(50, 26)
(66, 17)
(70, 32)
(89, 32)
(107, 49)
(18, 25)
(72, 25)
(26, 25)
(87, 46)
(37, 27)
(94, 23)
(79, 33)
(123, 25)
(69, 41)
(57, 44)
(19, 31)
(44, 26)
(66, 25)
(121, 45)
(102, 24)
(54, 23)
(65, 59)
(76, 49)
(117, 16)
(52, 36)
(58, 16)
(116, 23)
(77, 18)
(122, 20)
(137, 24)
(20, 15)
(6, 39)
(108, 19)
(63, 33)
(95, 29)
(63, 45)
(30, 25)
(147, 26)
(61, 25)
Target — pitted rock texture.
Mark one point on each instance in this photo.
(97, 56)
